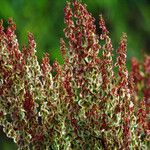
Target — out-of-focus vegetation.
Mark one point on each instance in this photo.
(44, 18)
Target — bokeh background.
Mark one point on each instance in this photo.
(44, 18)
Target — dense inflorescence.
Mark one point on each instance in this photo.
(83, 104)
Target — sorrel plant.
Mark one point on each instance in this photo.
(82, 104)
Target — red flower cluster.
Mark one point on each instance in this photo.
(141, 75)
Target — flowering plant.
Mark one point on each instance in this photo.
(83, 104)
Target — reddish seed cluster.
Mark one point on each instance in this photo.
(45, 66)
(140, 72)
(83, 104)
(103, 27)
(136, 70)
(28, 102)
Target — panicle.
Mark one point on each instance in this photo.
(63, 48)
(1, 29)
(102, 26)
(147, 64)
(31, 44)
(136, 70)
(122, 51)
(45, 66)
(121, 61)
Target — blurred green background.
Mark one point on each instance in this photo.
(44, 18)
